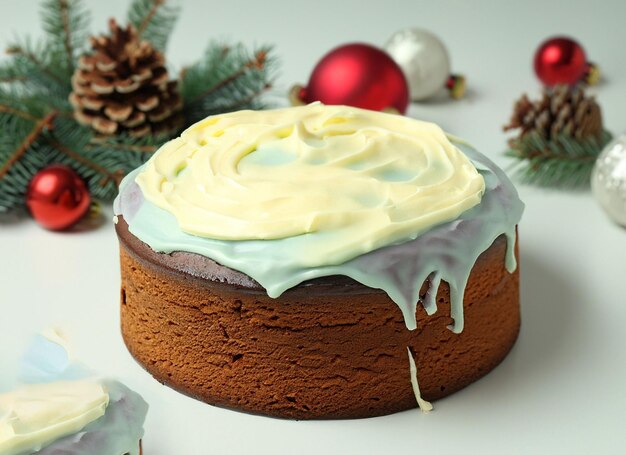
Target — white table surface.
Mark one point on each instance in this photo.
(562, 390)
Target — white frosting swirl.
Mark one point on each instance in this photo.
(362, 179)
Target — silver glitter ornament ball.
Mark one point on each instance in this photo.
(424, 60)
(608, 180)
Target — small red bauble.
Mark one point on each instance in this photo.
(358, 75)
(57, 197)
(560, 60)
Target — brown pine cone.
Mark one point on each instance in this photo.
(123, 87)
(561, 110)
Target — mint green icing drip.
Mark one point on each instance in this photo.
(446, 252)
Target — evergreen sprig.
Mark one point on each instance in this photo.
(31, 69)
(37, 127)
(66, 27)
(154, 20)
(22, 152)
(228, 78)
(563, 161)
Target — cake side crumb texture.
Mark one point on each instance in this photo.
(308, 357)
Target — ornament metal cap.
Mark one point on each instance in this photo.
(296, 95)
(592, 74)
(456, 85)
(92, 219)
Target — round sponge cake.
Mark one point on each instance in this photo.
(328, 348)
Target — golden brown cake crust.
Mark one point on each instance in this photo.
(312, 353)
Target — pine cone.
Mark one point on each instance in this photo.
(561, 110)
(124, 87)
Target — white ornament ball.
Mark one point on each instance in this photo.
(608, 180)
(424, 60)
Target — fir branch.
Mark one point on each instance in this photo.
(9, 74)
(30, 107)
(228, 78)
(36, 75)
(257, 61)
(67, 35)
(141, 28)
(154, 20)
(239, 104)
(100, 166)
(126, 154)
(38, 128)
(10, 110)
(14, 184)
(29, 55)
(107, 176)
(66, 24)
(563, 162)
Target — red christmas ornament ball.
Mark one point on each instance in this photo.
(560, 60)
(57, 197)
(358, 75)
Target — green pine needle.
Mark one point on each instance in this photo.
(101, 164)
(229, 78)
(66, 27)
(154, 20)
(32, 65)
(563, 162)
(11, 73)
(22, 152)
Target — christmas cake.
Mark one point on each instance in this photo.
(318, 262)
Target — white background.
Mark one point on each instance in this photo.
(563, 387)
